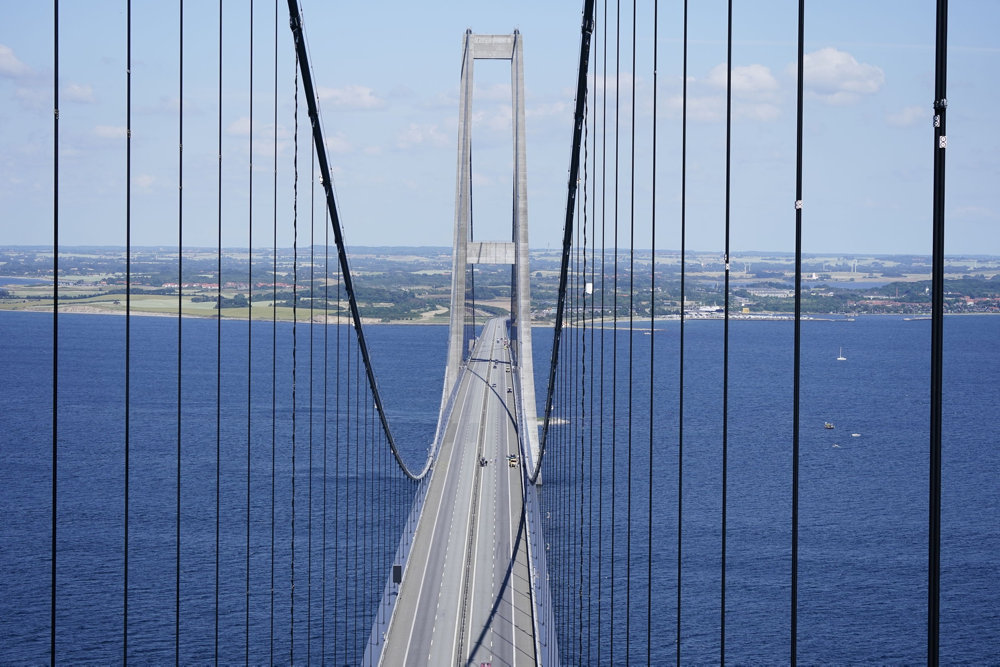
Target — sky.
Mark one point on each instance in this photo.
(387, 75)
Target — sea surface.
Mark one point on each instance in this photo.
(862, 586)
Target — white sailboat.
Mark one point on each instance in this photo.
(841, 356)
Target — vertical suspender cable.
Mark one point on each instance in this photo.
(590, 445)
(180, 343)
(128, 311)
(631, 323)
(797, 354)
(604, 207)
(725, 339)
(55, 329)
(336, 491)
(218, 352)
(652, 338)
(357, 504)
(581, 330)
(326, 403)
(312, 385)
(347, 497)
(274, 334)
(246, 592)
(367, 536)
(295, 322)
(937, 335)
(680, 366)
(614, 338)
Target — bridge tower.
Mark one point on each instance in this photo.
(468, 253)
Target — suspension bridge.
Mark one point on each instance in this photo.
(249, 500)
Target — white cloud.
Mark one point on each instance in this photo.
(239, 127)
(606, 84)
(496, 119)
(351, 97)
(704, 109)
(497, 92)
(111, 131)
(973, 212)
(756, 110)
(551, 109)
(10, 66)
(77, 92)
(35, 98)
(909, 116)
(756, 95)
(836, 77)
(420, 135)
(144, 181)
(752, 81)
(338, 143)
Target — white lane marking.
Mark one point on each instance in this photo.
(437, 514)
(468, 519)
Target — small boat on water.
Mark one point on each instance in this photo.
(855, 435)
(827, 424)
(841, 357)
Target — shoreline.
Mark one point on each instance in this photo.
(642, 324)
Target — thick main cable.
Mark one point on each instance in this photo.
(586, 30)
(302, 58)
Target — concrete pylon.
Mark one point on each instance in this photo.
(514, 252)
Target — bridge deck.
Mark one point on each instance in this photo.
(465, 597)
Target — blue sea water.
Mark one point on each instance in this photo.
(863, 504)
(863, 520)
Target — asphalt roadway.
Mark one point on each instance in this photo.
(465, 597)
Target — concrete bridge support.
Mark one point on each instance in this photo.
(468, 252)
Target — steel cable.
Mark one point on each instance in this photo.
(937, 336)
(614, 333)
(246, 591)
(797, 343)
(274, 333)
(53, 551)
(631, 337)
(128, 321)
(652, 348)
(180, 345)
(218, 351)
(725, 339)
(295, 322)
(680, 371)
